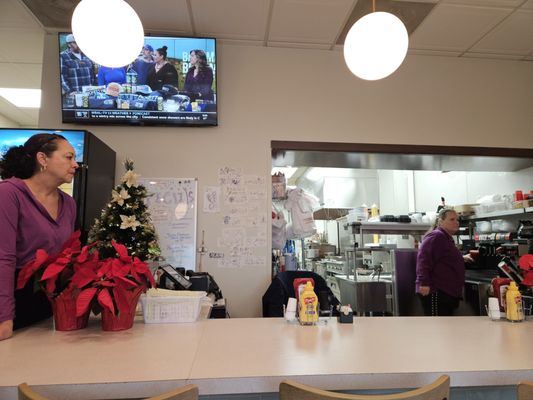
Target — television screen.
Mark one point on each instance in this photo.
(172, 82)
(17, 137)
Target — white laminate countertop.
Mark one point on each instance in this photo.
(252, 355)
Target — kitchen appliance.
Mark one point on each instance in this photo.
(525, 230)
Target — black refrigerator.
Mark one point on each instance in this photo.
(94, 179)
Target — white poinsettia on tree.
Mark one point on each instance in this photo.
(126, 220)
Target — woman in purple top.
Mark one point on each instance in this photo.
(34, 214)
(199, 78)
(440, 267)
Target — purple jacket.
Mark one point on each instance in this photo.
(440, 265)
(26, 226)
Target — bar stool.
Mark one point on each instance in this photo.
(188, 392)
(437, 390)
(525, 390)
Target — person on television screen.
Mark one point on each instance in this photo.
(199, 78)
(35, 214)
(107, 75)
(77, 70)
(143, 64)
(162, 72)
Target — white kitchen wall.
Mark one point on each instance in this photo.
(393, 192)
(270, 94)
(466, 187)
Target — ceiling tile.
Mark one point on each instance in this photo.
(232, 19)
(455, 28)
(15, 15)
(512, 36)
(32, 41)
(492, 55)
(487, 3)
(161, 16)
(20, 75)
(311, 21)
(300, 45)
(434, 53)
(23, 116)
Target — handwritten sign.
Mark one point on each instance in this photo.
(173, 206)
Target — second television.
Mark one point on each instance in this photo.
(172, 82)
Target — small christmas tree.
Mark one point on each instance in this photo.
(126, 220)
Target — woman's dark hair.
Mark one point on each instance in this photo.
(200, 54)
(21, 162)
(163, 52)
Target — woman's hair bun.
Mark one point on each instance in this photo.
(164, 48)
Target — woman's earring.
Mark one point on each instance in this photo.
(43, 168)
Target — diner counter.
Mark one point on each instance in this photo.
(253, 355)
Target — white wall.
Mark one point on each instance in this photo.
(289, 94)
(466, 187)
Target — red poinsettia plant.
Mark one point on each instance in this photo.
(526, 264)
(54, 273)
(115, 282)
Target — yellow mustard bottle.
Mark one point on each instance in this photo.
(513, 298)
(308, 305)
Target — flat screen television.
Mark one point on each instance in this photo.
(182, 92)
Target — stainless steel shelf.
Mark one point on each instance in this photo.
(389, 228)
(501, 213)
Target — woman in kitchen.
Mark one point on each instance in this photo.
(35, 214)
(440, 267)
(162, 72)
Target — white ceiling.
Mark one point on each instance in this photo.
(457, 28)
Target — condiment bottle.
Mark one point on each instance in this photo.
(515, 310)
(308, 305)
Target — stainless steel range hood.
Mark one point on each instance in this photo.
(400, 161)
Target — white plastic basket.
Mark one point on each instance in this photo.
(181, 306)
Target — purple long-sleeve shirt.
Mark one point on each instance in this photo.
(26, 226)
(440, 265)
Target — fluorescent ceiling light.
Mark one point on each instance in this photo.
(24, 98)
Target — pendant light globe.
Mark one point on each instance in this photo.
(113, 46)
(376, 46)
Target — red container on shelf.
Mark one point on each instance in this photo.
(518, 195)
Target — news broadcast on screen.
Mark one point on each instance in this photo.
(171, 82)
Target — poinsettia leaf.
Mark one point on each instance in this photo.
(50, 286)
(82, 277)
(73, 242)
(118, 268)
(128, 284)
(54, 269)
(31, 267)
(83, 302)
(121, 250)
(106, 283)
(142, 268)
(105, 268)
(86, 253)
(528, 279)
(105, 300)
